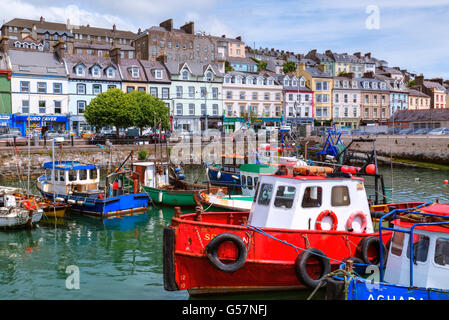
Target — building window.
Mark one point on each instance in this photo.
(191, 109)
(80, 88)
(179, 92)
(255, 96)
(203, 92)
(267, 96)
(112, 86)
(129, 89)
(215, 109)
(24, 86)
(41, 87)
(96, 72)
(203, 109)
(214, 93)
(79, 69)
(57, 107)
(165, 93)
(100, 53)
(191, 92)
(158, 74)
(110, 72)
(96, 88)
(130, 55)
(135, 72)
(81, 106)
(57, 88)
(25, 106)
(42, 107)
(153, 91)
(143, 89)
(89, 52)
(179, 109)
(185, 75)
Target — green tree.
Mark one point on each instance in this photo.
(114, 108)
(411, 83)
(151, 111)
(289, 66)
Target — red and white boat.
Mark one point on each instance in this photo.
(299, 229)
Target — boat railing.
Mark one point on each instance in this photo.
(409, 232)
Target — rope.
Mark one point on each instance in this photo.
(339, 272)
(287, 243)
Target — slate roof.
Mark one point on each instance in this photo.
(101, 46)
(416, 93)
(196, 68)
(89, 61)
(36, 62)
(281, 77)
(435, 85)
(125, 67)
(317, 73)
(370, 84)
(151, 66)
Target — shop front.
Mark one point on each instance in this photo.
(53, 123)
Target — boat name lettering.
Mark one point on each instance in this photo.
(388, 297)
(210, 236)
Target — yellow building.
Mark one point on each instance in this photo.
(321, 83)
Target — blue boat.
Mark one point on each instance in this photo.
(78, 184)
(417, 264)
(224, 176)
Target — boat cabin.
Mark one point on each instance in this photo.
(70, 176)
(151, 174)
(311, 203)
(429, 244)
(249, 176)
(7, 198)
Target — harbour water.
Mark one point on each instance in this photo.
(121, 258)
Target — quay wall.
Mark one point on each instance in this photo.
(14, 163)
(425, 148)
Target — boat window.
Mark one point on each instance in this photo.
(420, 248)
(243, 181)
(397, 243)
(340, 196)
(266, 191)
(48, 174)
(442, 251)
(93, 174)
(72, 175)
(284, 197)
(61, 175)
(312, 197)
(256, 192)
(83, 174)
(249, 182)
(256, 179)
(56, 175)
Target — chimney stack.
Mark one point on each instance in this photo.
(369, 75)
(139, 31)
(322, 67)
(42, 19)
(114, 53)
(162, 58)
(167, 24)
(368, 55)
(59, 50)
(438, 80)
(4, 44)
(114, 27)
(188, 27)
(239, 38)
(358, 55)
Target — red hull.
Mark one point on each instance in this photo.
(270, 264)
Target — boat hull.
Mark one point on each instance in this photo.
(171, 198)
(20, 219)
(232, 203)
(134, 202)
(218, 177)
(361, 289)
(269, 264)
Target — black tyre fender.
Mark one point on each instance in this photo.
(301, 266)
(366, 244)
(212, 249)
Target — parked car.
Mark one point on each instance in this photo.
(406, 131)
(393, 130)
(8, 140)
(132, 132)
(439, 131)
(15, 131)
(422, 131)
(86, 134)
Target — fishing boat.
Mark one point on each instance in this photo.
(417, 261)
(299, 228)
(77, 184)
(16, 214)
(165, 184)
(51, 208)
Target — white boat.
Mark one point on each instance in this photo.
(14, 214)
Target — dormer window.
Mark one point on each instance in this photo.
(336, 84)
(354, 84)
(185, 75)
(96, 72)
(259, 81)
(80, 70)
(374, 85)
(238, 80)
(302, 83)
(158, 74)
(270, 82)
(135, 72)
(286, 82)
(110, 72)
(294, 83)
(365, 84)
(249, 80)
(227, 79)
(208, 76)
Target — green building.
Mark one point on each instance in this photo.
(5, 87)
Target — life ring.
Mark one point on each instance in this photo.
(204, 196)
(212, 249)
(366, 247)
(30, 206)
(326, 213)
(351, 218)
(301, 266)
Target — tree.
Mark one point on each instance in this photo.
(114, 108)
(151, 111)
(261, 65)
(411, 83)
(289, 66)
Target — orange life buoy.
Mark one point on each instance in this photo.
(30, 206)
(351, 218)
(204, 196)
(326, 213)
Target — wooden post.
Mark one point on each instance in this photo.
(177, 212)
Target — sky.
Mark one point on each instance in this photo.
(410, 34)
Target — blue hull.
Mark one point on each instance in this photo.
(105, 207)
(361, 289)
(225, 179)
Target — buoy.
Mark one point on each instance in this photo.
(352, 170)
(344, 169)
(417, 179)
(446, 182)
(371, 169)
